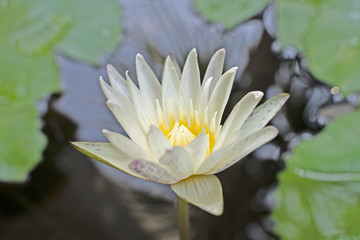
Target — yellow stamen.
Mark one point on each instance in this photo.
(183, 130)
(180, 135)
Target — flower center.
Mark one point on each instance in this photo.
(180, 135)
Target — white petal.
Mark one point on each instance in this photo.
(263, 114)
(214, 69)
(171, 92)
(148, 82)
(130, 125)
(157, 142)
(212, 160)
(146, 114)
(152, 171)
(204, 98)
(176, 66)
(117, 81)
(190, 80)
(202, 191)
(220, 95)
(197, 149)
(110, 93)
(178, 161)
(126, 146)
(237, 117)
(118, 98)
(243, 147)
(170, 80)
(108, 154)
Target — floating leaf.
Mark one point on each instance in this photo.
(328, 33)
(308, 209)
(30, 29)
(95, 30)
(230, 12)
(334, 150)
(21, 141)
(319, 193)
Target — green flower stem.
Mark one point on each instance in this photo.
(183, 219)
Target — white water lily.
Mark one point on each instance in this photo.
(174, 128)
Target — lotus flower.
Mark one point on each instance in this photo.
(174, 128)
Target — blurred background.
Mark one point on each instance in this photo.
(305, 184)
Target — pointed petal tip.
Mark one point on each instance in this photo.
(285, 96)
(139, 61)
(127, 76)
(233, 69)
(169, 57)
(273, 129)
(109, 67)
(221, 51)
(75, 145)
(193, 52)
(111, 70)
(139, 57)
(110, 103)
(106, 133)
(257, 94)
(218, 211)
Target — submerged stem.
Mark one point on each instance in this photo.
(183, 218)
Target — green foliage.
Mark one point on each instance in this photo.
(334, 150)
(325, 30)
(328, 32)
(30, 31)
(230, 12)
(319, 192)
(22, 141)
(95, 30)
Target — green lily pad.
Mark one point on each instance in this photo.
(230, 12)
(328, 33)
(95, 30)
(30, 31)
(308, 209)
(334, 150)
(21, 141)
(319, 192)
